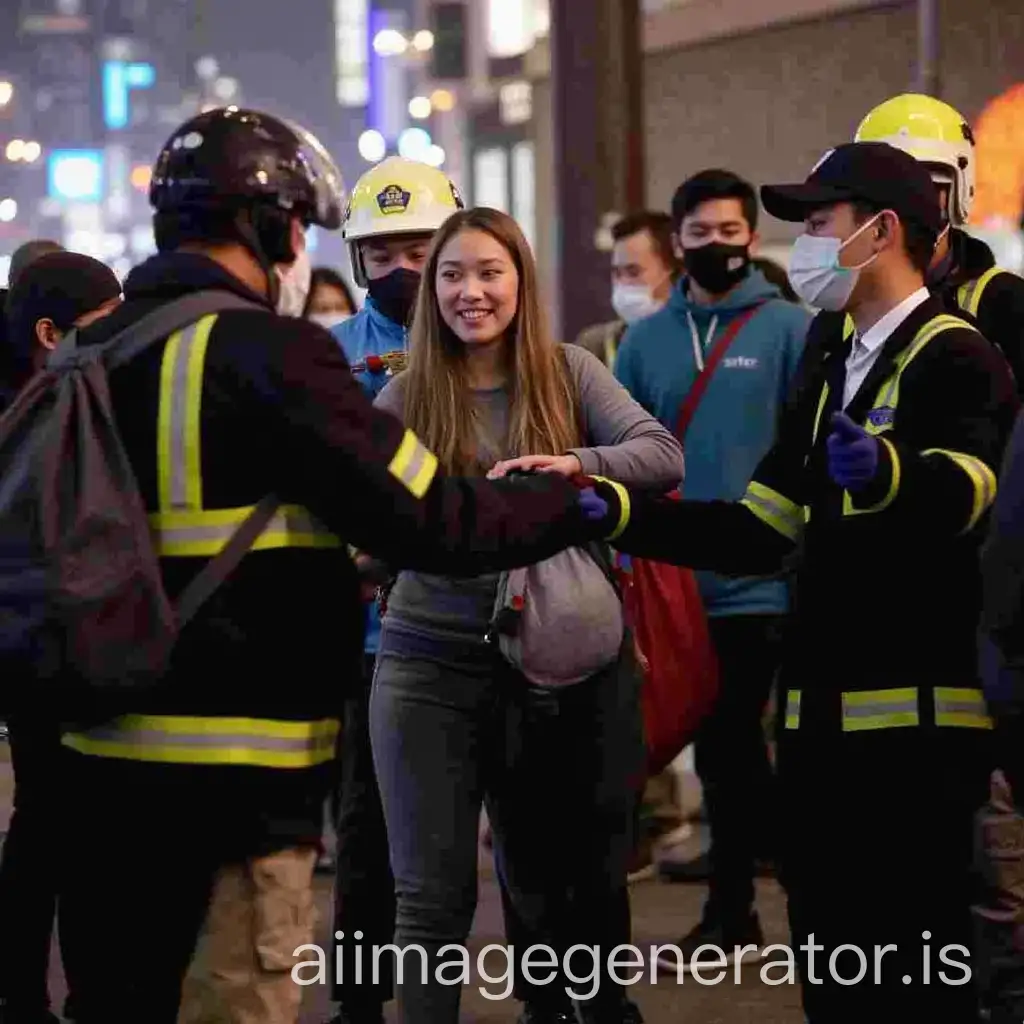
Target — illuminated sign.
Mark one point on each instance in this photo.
(352, 52)
(119, 79)
(75, 175)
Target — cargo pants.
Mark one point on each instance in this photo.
(260, 913)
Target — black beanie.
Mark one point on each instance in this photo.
(60, 286)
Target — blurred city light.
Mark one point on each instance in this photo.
(225, 88)
(389, 42)
(372, 146)
(8, 210)
(414, 143)
(443, 100)
(76, 174)
(141, 176)
(207, 68)
(6, 93)
(420, 107)
(15, 150)
(435, 156)
(31, 152)
(423, 40)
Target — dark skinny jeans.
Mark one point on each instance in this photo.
(560, 772)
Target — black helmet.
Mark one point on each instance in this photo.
(230, 157)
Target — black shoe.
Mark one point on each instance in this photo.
(696, 870)
(14, 1015)
(546, 1015)
(742, 941)
(625, 1012)
(363, 1015)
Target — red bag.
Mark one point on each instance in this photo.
(664, 610)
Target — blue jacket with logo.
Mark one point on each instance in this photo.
(735, 423)
(370, 333)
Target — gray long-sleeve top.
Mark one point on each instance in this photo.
(626, 444)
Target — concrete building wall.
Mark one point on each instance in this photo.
(768, 104)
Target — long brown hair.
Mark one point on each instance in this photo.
(438, 403)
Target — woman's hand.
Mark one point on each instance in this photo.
(566, 465)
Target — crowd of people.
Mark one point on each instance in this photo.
(428, 627)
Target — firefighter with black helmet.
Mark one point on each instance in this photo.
(221, 777)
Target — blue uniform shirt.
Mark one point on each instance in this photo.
(370, 333)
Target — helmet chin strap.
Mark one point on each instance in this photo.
(250, 239)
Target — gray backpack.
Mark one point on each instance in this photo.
(85, 622)
(560, 621)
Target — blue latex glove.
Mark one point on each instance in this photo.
(852, 453)
(595, 508)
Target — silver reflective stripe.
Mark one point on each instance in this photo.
(158, 738)
(179, 418)
(876, 709)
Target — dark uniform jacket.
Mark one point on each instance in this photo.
(274, 651)
(972, 287)
(887, 582)
(994, 297)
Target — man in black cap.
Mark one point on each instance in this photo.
(49, 295)
(880, 482)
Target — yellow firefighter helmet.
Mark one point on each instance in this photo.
(397, 197)
(937, 135)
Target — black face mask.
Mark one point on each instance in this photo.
(395, 293)
(717, 267)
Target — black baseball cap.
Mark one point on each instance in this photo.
(872, 172)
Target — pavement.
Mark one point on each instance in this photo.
(661, 913)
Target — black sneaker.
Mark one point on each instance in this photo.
(366, 1015)
(546, 1015)
(729, 944)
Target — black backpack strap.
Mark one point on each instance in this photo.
(218, 568)
(156, 325)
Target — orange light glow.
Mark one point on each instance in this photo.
(1000, 152)
(141, 176)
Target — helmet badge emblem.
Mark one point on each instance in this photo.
(393, 199)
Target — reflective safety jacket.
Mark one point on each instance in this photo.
(991, 297)
(243, 404)
(886, 581)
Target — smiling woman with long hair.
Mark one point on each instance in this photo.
(454, 724)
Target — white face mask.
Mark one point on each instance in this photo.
(329, 320)
(295, 282)
(815, 273)
(633, 302)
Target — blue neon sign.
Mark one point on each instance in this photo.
(119, 79)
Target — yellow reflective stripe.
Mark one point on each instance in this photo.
(179, 465)
(849, 509)
(253, 742)
(183, 534)
(793, 709)
(624, 507)
(968, 296)
(609, 349)
(880, 709)
(888, 395)
(774, 509)
(849, 327)
(961, 708)
(817, 415)
(983, 481)
(413, 464)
